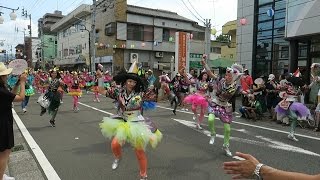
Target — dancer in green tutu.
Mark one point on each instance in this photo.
(29, 90)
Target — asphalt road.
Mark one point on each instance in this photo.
(77, 150)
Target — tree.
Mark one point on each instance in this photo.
(223, 38)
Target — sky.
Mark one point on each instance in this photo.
(219, 11)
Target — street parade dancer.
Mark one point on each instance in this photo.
(130, 126)
(51, 100)
(199, 98)
(75, 91)
(219, 105)
(98, 82)
(290, 107)
(29, 90)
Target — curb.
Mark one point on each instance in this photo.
(22, 165)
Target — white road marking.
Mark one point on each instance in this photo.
(268, 142)
(47, 168)
(276, 145)
(255, 126)
(95, 108)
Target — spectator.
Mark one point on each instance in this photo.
(272, 96)
(252, 110)
(251, 168)
(6, 117)
(246, 85)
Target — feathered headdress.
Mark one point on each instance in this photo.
(236, 71)
(315, 69)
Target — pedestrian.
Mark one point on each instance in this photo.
(251, 168)
(6, 117)
(130, 126)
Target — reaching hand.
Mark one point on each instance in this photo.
(241, 169)
(23, 77)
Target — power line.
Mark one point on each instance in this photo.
(195, 9)
(192, 12)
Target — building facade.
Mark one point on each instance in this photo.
(278, 36)
(144, 34)
(73, 39)
(303, 33)
(229, 49)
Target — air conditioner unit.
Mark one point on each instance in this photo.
(159, 54)
(134, 57)
(50, 39)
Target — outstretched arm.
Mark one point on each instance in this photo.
(209, 72)
(245, 170)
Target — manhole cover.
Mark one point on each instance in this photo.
(17, 148)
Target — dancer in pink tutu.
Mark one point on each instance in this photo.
(199, 99)
(75, 91)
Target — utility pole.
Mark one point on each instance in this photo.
(26, 15)
(207, 38)
(93, 36)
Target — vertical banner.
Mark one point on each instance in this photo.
(182, 51)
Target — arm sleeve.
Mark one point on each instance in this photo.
(6, 96)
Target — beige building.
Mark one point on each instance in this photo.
(229, 50)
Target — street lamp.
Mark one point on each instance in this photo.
(13, 15)
(73, 29)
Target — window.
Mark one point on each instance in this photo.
(166, 34)
(110, 29)
(139, 32)
(198, 36)
(265, 26)
(265, 1)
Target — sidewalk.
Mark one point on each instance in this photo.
(22, 164)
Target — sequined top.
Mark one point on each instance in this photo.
(54, 84)
(132, 101)
(224, 91)
(202, 86)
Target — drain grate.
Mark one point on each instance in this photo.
(17, 148)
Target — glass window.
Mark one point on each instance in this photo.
(279, 32)
(165, 34)
(148, 33)
(264, 17)
(280, 5)
(265, 1)
(264, 34)
(265, 25)
(135, 32)
(264, 9)
(263, 68)
(263, 55)
(280, 23)
(280, 41)
(264, 44)
(198, 36)
(280, 14)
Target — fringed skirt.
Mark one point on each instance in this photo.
(296, 108)
(196, 100)
(137, 131)
(75, 92)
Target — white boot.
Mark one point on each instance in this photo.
(292, 137)
(227, 150)
(115, 164)
(212, 138)
(6, 177)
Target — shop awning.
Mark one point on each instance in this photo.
(221, 62)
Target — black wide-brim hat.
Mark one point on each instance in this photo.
(122, 77)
